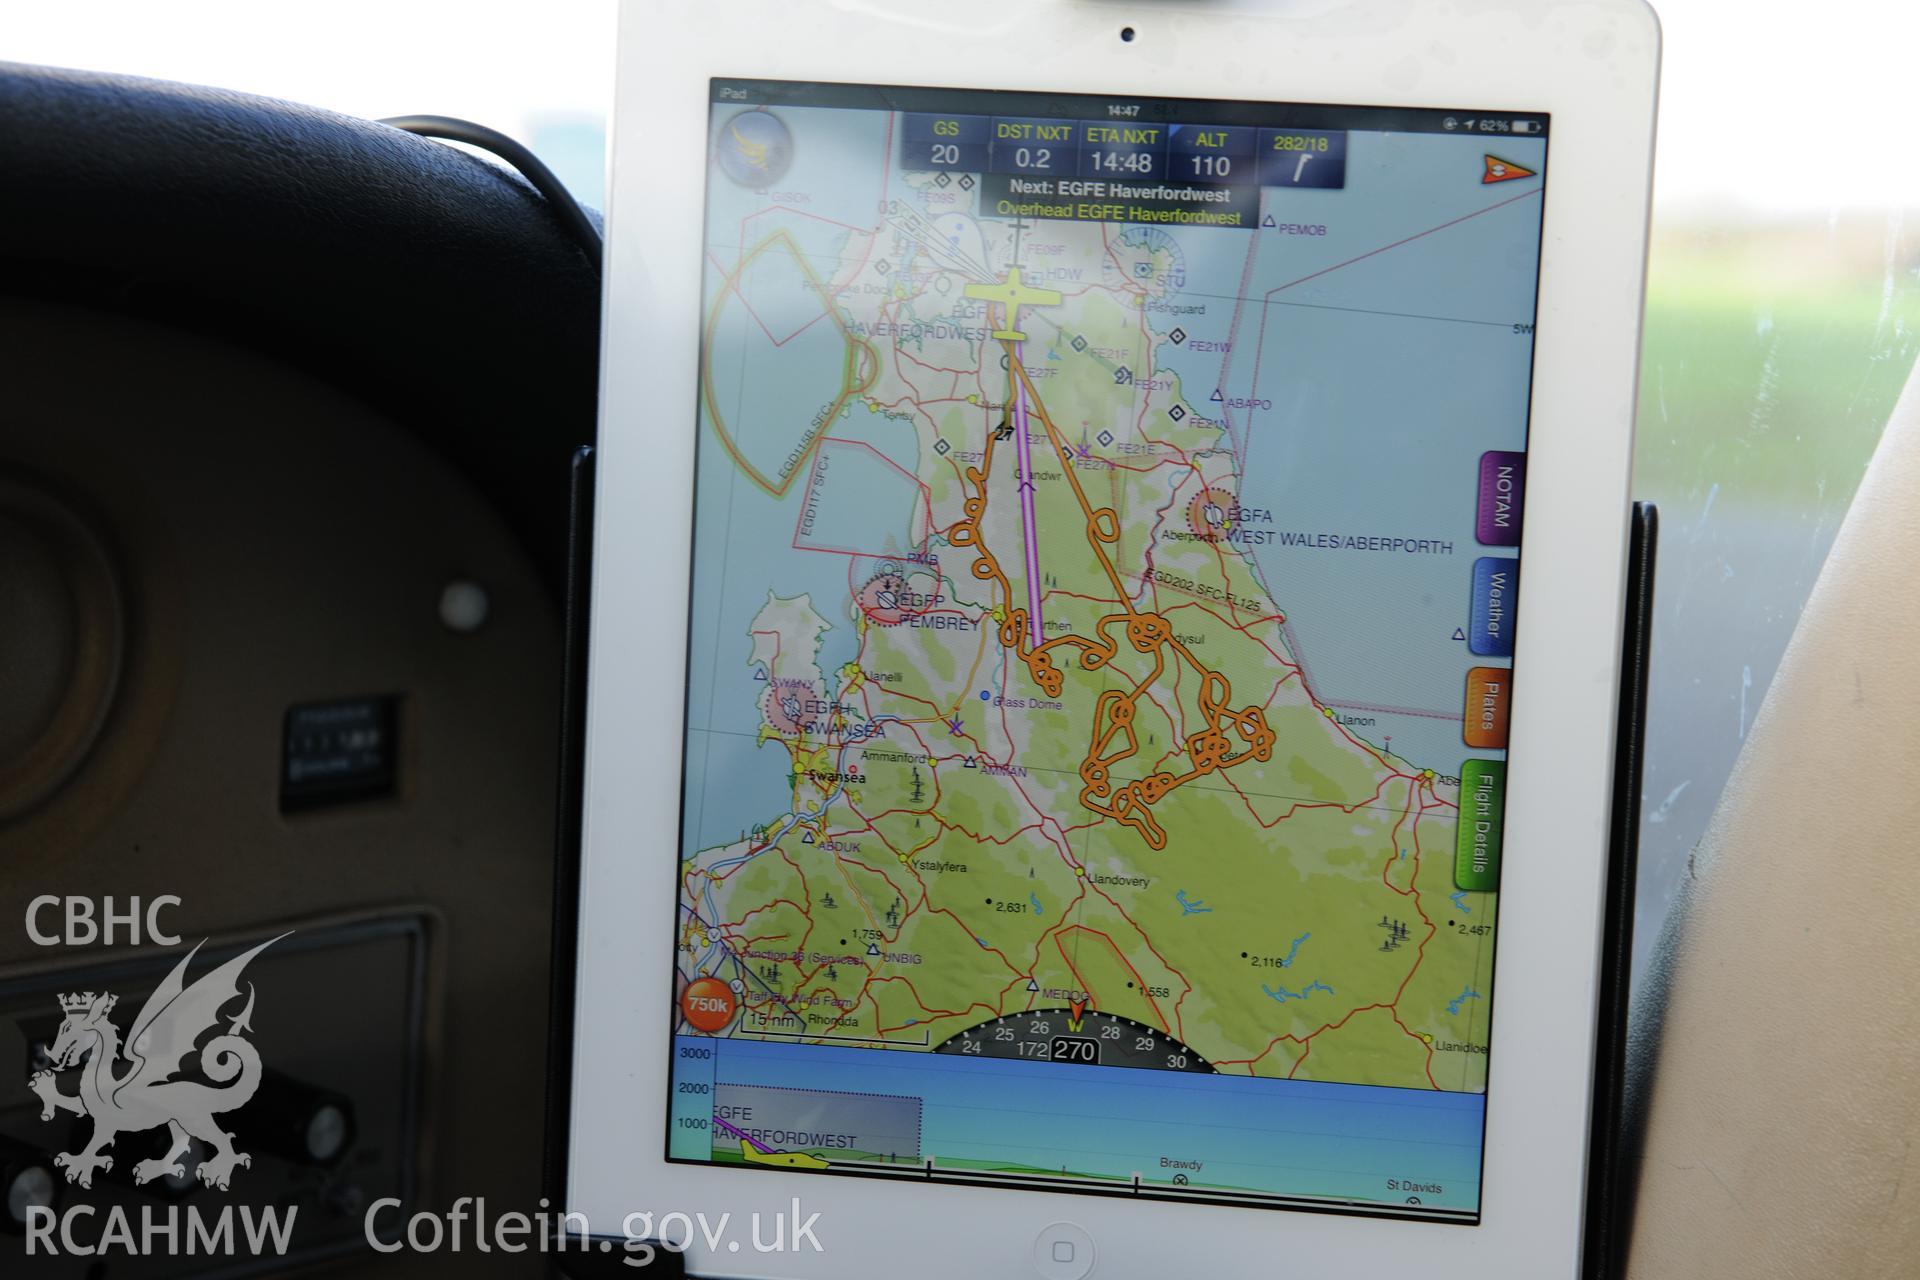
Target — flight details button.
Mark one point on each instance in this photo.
(1490, 634)
(1483, 803)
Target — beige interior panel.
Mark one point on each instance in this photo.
(1785, 1108)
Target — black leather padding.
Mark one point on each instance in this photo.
(428, 282)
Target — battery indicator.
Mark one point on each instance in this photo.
(1526, 126)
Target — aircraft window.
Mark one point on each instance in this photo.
(541, 73)
(1782, 308)
(1783, 301)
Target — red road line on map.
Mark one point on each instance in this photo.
(1140, 983)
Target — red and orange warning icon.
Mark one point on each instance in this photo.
(1499, 170)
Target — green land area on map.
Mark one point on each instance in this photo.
(1277, 892)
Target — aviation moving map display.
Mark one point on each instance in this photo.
(1106, 539)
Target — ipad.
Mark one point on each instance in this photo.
(1105, 624)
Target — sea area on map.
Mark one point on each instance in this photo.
(861, 504)
(1336, 471)
(772, 349)
(1357, 403)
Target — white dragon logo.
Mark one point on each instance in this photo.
(145, 1095)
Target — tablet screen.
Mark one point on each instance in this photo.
(1106, 537)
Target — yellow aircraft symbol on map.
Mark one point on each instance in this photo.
(780, 1159)
(1012, 294)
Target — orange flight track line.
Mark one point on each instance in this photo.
(1210, 749)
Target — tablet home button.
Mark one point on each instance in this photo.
(1063, 1251)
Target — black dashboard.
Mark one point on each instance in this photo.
(284, 460)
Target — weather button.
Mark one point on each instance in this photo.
(1490, 632)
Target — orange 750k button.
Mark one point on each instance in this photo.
(707, 1004)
